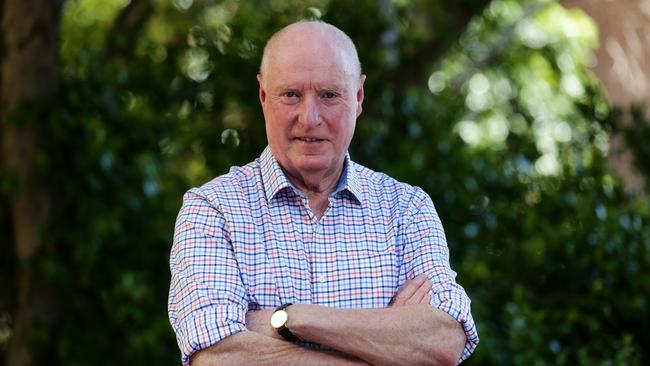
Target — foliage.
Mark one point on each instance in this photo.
(507, 131)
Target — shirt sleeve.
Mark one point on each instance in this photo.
(206, 295)
(426, 251)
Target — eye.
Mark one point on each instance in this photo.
(290, 97)
(329, 95)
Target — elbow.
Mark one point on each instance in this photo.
(210, 356)
(432, 356)
(446, 351)
(446, 359)
(439, 357)
(227, 351)
(201, 358)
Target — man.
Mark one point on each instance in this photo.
(304, 257)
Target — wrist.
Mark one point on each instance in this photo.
(303, 319)
(280, 323)
(259, 321)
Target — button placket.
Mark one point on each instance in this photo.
(318, 266)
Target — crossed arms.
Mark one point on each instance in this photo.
(408, 332)
(208, 303)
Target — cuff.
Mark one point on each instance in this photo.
(457, 304)
(205, 327)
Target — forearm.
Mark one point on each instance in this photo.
(250, 348)
(408, 335)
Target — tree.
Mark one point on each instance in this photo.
(486, 105)
(29, 76)
(46, 105)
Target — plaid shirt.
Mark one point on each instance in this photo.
(247, 240)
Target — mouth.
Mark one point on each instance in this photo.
(309, 139)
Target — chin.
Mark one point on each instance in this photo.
(313, 163)
(312, 168)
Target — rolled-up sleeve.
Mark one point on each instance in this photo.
(426, 251)
(206, 295)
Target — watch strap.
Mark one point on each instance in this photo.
(283, 331)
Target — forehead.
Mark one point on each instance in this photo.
(309, 56)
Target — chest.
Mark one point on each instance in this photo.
(348, 259)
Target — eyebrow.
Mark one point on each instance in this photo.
(330, 87)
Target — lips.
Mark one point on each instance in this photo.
(309, 139)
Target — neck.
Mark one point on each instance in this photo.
(317, 186)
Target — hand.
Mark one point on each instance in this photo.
(260, 322)
(415, 291)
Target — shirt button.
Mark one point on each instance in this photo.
(321, 279)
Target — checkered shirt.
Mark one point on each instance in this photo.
(248, 240)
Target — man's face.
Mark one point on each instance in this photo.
(311, 100)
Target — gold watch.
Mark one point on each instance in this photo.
(279, 320)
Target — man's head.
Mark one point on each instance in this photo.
(311, 91)
(337, 36)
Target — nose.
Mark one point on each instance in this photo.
(310, 114)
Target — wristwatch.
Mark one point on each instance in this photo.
(279, 320)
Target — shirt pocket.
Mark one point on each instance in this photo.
(365, 275)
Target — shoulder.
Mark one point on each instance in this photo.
(239, 182)
(380, 187)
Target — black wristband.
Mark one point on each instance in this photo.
(283, 331)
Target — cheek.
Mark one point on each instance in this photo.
(342, 120)
(279, 115)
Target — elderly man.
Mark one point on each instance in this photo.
(303, 256)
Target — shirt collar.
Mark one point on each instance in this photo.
(275, 180)
(350, 180)
(272, 175)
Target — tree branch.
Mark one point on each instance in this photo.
(128, 25)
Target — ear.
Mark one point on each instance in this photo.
(262, 92)
(362, 79)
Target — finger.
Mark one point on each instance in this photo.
(259, 321)
(407, 290)
(422, 295)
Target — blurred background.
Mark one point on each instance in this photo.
(526, 121)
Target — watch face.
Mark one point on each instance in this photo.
(279, 318)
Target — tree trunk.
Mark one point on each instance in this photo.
(29, 75)
(623, 65)
(624, 53)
